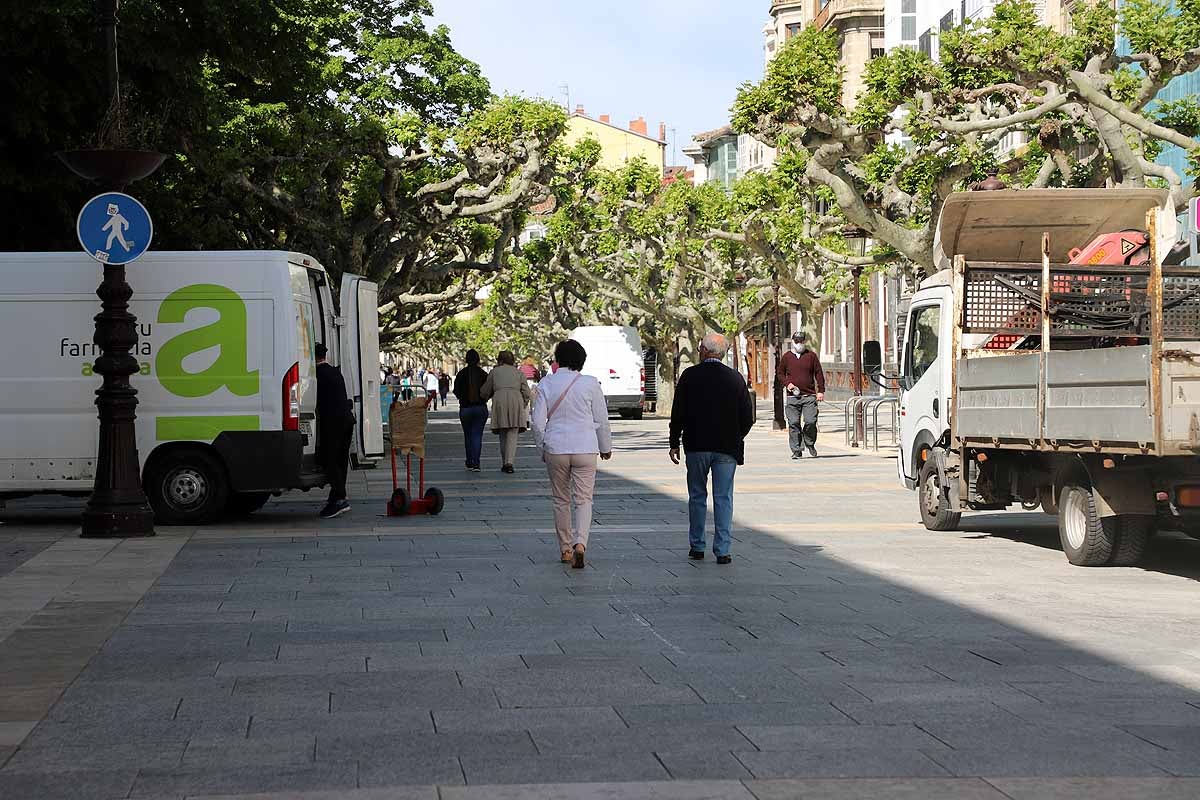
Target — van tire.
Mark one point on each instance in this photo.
(187, 487)
(243, 504)
(1088, 539)
(631, 413)
(936, 513)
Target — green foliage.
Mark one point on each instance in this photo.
(806, 73)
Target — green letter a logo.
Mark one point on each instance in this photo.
(228, 333)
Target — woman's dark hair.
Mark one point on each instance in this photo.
(570, 354)
(472, 357)
(506, 357)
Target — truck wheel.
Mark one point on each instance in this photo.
(243, 504)
(1135, 533)
(935, 506)
(187, 487)
(1048, 500)
(1088, 539)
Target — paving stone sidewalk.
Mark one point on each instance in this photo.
(845, 653)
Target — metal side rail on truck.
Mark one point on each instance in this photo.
(1055, 363)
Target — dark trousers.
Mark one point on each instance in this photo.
(473, 419)
(334, 452)
(432, 396)
(801, 415)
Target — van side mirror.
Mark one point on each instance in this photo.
(872, 358)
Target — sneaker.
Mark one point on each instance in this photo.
(724, 559)
(812, 451)
(508, 469)
(797, 456)
(335, 509)
(696, 555)
(475, 468)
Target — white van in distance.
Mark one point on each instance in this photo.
(614, 357)
(227, 387)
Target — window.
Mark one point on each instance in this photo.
(908, 6)
(877, 46)
(925, 324)
(926, 44)
(947, 22)
(908, 28)
(793, 30)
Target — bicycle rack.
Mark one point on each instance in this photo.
(893, 402)
(852, 417)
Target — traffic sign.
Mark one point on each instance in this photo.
(114, 228)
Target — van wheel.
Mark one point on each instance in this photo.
(243, 504)
(631, 413)
(1092, 541)
(187, 487)
(936, 513)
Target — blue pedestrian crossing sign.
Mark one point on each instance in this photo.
(114, 228)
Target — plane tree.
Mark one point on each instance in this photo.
(922, 129)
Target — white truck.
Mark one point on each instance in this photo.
(1073, 387)
(227, 388)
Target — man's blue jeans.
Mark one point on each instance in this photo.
(473, 419)
(722, 467)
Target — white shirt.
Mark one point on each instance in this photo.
(580, 423)
(431, 381)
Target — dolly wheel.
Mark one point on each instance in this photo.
(437, 500)
(398, 505)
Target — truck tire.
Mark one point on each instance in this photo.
(243, 504)
(1090, 540)
(187, 487)
(1048, 500)
(1136, 530)
(936, 513)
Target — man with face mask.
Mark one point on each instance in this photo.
(804, 385)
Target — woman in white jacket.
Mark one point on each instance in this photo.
(570, 424)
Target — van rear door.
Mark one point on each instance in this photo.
(359, 351)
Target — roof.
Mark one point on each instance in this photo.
(1007, 225)
(618, 127)
(708, 136)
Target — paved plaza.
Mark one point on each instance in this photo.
(846, 652)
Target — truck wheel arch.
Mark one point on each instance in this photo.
(922, 443)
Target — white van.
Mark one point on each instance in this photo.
(227, 392)
(614, 357)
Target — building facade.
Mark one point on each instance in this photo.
(715, 155)
(619, 145)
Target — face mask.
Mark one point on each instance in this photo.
(799, 348)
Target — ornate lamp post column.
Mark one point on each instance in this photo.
(118, 507)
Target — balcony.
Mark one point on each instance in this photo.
(839, 12)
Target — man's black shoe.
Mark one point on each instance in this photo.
(797, 456)
(724, 559)
(812, 451)
(696, 555)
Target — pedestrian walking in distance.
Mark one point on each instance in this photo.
(804, 384)
(335, 425)
(712, 413)
(472, 407)
(431, 388)
(507, 389)
(570, 425)
(444, 386)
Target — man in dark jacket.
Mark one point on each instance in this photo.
(335, 425)
(712, 413)
(804, 386)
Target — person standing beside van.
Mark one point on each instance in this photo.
(472, 408)
(509, 393)
(570, 425)
(335, 425)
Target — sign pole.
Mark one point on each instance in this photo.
(115, 229)
(118, 506)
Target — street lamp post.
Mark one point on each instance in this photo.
(780, 422)
(117, 507)
(856, 273)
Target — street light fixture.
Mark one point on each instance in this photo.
(118, 506)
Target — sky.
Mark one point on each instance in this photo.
(673, 61)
